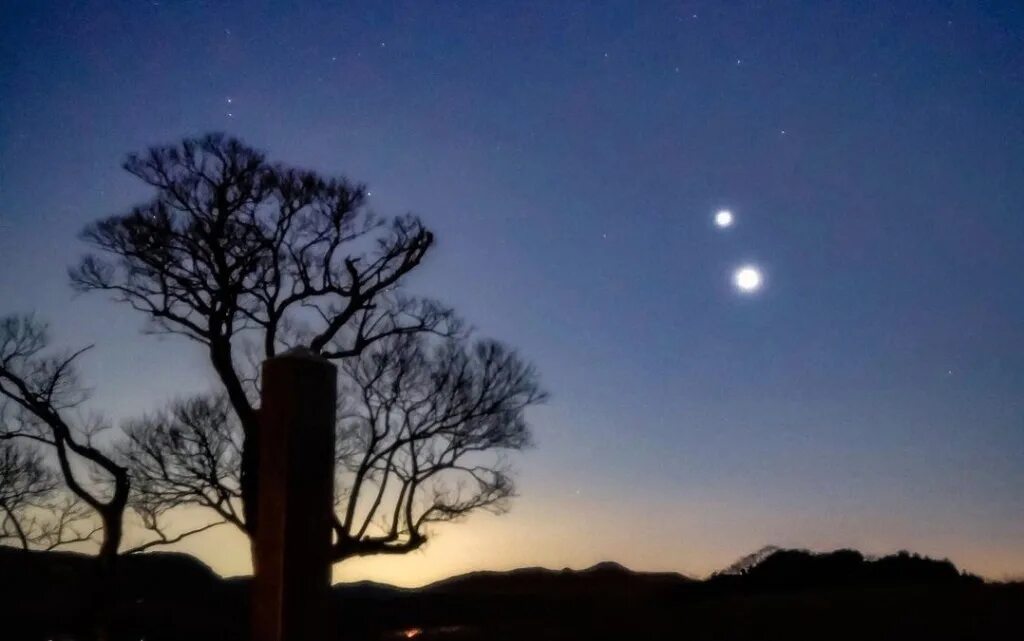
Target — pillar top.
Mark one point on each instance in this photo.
(301, 352)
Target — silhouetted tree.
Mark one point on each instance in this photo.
(42, 389)
(249, 258)
(421, 438)
(34, 511)
(777, 569)
(234, 248)
(189, 454)
(40, 392)
(745, 563)
(24, 484)
(422, 441)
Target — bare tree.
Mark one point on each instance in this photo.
(25, 484)
(246, 258)
(41, 393)
(424, 427)
(425, 438)
(35, 511)
(43, 388)
(189, 454)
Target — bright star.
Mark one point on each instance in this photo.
(747, 279)
(724, 218)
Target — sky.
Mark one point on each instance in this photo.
(571, 157)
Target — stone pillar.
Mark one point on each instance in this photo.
(291, 589)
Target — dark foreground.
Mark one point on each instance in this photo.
(787, 595)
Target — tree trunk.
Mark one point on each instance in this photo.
(220, 356)
(249, 482)
(105, 596)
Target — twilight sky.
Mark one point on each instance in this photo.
(571, 157)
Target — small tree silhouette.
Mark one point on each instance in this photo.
(25, 483)
(41, 389)
(39, 393)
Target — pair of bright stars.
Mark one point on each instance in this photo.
(746, 278)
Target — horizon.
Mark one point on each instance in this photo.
(602, 565)
(838, 363)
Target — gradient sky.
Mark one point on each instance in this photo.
(570, 157)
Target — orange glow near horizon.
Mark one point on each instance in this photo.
(556, 536)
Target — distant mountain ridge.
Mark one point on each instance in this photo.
(607, 576)
(170, 596)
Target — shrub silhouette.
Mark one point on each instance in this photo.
(797, 569)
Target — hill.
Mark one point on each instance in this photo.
(780, 594)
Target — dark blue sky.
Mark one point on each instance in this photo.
(570, 157)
